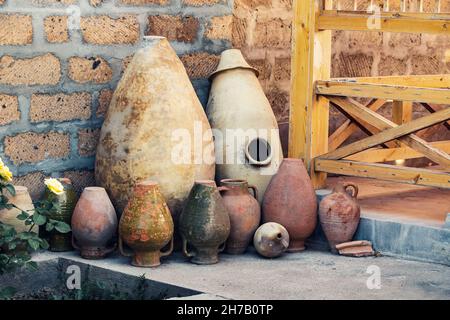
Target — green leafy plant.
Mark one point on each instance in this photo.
(16, 247)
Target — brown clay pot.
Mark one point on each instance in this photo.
(146, 226)
(244, 212)
(94, 224)
(271, 240)
(290, 200)
(339, 214)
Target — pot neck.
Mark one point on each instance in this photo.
(235, 185)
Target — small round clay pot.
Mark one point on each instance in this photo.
(271, 240)
(290, 200)
(146, 226)
(204, 223)
(94, 224)
(244, 212)
(339, 214)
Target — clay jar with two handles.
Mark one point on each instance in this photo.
(146, 226)
(244, 212)
(204, 223)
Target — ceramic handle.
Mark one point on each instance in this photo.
(354, 189)
(74, 244)
(255, 191)
(222, 188)
(164, 254)
(121, 250)
(222, 247)
(185, 250)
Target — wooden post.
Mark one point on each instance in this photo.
(311, 61)
(401, 113)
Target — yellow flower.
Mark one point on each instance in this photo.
(54, 186)
(5, 174)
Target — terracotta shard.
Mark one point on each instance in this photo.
(360, 248)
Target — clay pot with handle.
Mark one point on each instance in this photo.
(271, 240)
(94, 224)
(204, 223)
(244, 212)
(146, 226)
(290, 200)
(339, 214)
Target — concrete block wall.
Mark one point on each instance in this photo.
(60, 61)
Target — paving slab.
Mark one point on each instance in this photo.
(307, 275)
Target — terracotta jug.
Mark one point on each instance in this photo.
(66, 201)
(339, 214)
(155, 129)
(146, 226)
(94, 224)
(239, 110)
(244, 212)
(204, 223)
(290, 200)
(23, 201)
(271, 240)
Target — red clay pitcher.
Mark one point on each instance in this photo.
(339, 214)
(244, 212)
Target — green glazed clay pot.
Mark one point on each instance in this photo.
(67, 201)
(146, 226)
(204, 223)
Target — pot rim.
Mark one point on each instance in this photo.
(234, 181)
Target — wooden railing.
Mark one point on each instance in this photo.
(313, 91)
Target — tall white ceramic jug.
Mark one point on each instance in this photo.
(246, 135)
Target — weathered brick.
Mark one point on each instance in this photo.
(34, 181)
(104, 100)
(199, 3)
(200, 65)
(390, 66)
(275, 33)
(426, 64)
(15, 29)
(56, 30)
(81, 179)
(95, 3)
(363, 39)
(351, 65)
(253, 4)
(94, 69)
(45, 69)
(239, 32)
(174, 28)
(143, 2)
(282, 70)
(9, 109)
(87, 141)
(279, 100)
(35, 147)
(263, 66)
(106, 30)
(64, 2)
(220, 28)
(60, 107)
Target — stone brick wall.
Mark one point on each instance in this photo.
(57, 76)
(262, 30)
